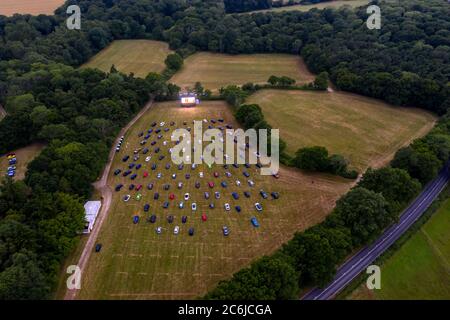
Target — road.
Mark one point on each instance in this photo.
(361, 260)
(106, 193)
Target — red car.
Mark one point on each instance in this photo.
(216, 174)
(171, 196)
(204, 217)
(211, 184)
(139, 187)
(145, 174)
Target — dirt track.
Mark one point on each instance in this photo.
(106, 194)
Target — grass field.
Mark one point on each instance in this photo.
(24, 157)
(136, 263)
(322, 5)
(366, 131)
(216, 70)
(137, 56)
(34, 7)
(420, 269)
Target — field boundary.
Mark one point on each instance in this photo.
(106, 196)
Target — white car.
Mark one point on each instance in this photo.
(238, 183)
(251, 183)
(159, 175)
(258, 206)
(162, 124)
(228, 174)
(176, 230)
(186, 196)
(193, 166)
(158, 230)
(164, 143)
(180, 185)
(200, 174)
(148, 159)
(181, 205)
(227, 206)
(126, 198)
(174, 176)
(194, 206)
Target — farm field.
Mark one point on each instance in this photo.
(322, 5)
(216, 70)
(137, 56)
(24, 157)
(137, 263)
(34, 7)
(366, 131)
(420, 269)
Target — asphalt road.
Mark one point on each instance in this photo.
(365, 257)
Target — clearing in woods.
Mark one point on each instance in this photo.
(34, 7)
(365, 131)
(137, 56)
(24, 157)
(215, 70)
(321, 5)
(136, 263)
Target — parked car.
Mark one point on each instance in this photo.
(131, 187)
(170, 219)
(238, 208)
(156, 196)
(194, 206)
(191, 231)
(117, 172)
(186, 196)
(206, 195)
(150, 186)
(216, 174)
(224, 184)
(181, 205)
(254, 222)
(158, 230)
(211, 205)
(168, 166)
(246, 174)
(98, 247)
(204, 217)
(171, 196)
(225, 231)
(125, 159)
(126, 198)
(146, 207)
(217, 195)
(152, 218)
(258, 206)
(263, 194)
(136, 219)
(145, 174)
(247, 194)
(139, 187)
(184, 219)
(166, 186)
(238, 183)
(165, 204)
(197, 185)
(159, 175)
(118, 187)
(227, 206)
(138, 166)
(251, 183)
(228, 174)
(176, 230)
(147, 159)
(275, 195)
(235, 195)
(133, 176)
(131, 165)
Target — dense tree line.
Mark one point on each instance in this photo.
(232, 6)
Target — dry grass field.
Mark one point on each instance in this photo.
(366, 131)
(137, 263)
(137, 56)
(322, 5)
(216, 70)
(24, 157)
(34, 7)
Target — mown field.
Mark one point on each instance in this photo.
(136, 263)
(34, 7)
(322, 5)
(420, 269)
(366, 131)
(137, 56)
(24, 157)
(215, 70)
